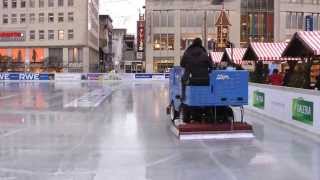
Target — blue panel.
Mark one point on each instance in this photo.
(143, 76)
(227, 88)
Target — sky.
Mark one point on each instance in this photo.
(124, 13)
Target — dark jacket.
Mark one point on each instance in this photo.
(318, 83)
(196, 62)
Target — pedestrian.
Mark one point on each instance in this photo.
(318, 83)
(297, 79)
(197, 64)
(275, 78)
(286, 77)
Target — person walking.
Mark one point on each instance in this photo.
(275, 78)
(286, 77)
(317, 86)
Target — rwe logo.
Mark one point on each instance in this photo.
(29, 77)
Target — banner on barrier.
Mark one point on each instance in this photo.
(26, 76)
(67, 77)
(143, 76)
(302, 111)
(95, 76)
(158, 76)
(258, 99)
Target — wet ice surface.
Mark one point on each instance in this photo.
(127, 137)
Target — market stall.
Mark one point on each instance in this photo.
(305, 45)
(216, 57)
(234, 55)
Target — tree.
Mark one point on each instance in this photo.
(34, 55)
(19, 56)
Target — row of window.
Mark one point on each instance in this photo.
(32, 3)
(304, 1)
(32, 18)
(51, 34)
(296, 20)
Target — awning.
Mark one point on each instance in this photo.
(259, 51)
(237, 54)
(216, 56)
(303, 44)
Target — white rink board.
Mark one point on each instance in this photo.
(278, 104)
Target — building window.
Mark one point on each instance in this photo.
(36, 55)
(60, 3)
(56, 55)
(51, 34)
(41, 3)
(60, 17)
(50, 17)
(14, 4)
(41, 17)
(41, 34)
(296, 1)
(51, 3)
(5, 19)
(70, 2)
(13, 18)
(32, 35)
(32, 3)
(23, 3)
(5, 4)
(316, 21)
(257, 21)
(70, 17)
(22, 18)
(294, 20)
(70, 34)
(75, 55)
(61, 35)
(316, 1)
(32, 18)
(163, 42)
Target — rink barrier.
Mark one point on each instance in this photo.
(81, 76)
(297, 107)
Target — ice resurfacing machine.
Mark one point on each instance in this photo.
(206, 111)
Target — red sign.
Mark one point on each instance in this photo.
(140, 35)
(12, 36)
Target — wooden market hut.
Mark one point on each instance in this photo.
(305, 45)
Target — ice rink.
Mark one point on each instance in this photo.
(120, 131)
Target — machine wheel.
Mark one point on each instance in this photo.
(184, 114)
(173, 113)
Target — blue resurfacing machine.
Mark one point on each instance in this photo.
(206, 110)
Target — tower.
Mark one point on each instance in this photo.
(223, 26)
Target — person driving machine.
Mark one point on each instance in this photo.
(197, 64)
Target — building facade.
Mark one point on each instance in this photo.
(171, 25)
(105, 44)
(49, 35)
(118, 47)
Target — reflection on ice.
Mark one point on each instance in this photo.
(127, 137)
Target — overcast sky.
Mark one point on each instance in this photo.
(124, 13)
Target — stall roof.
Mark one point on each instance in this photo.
(303, 43)
(260, 51)
(216, 56)
(238, 54)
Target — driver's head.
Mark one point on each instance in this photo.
(197, 42)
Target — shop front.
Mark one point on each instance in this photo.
(133, 67)
(163, 64)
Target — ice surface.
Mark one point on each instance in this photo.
(127, 137)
